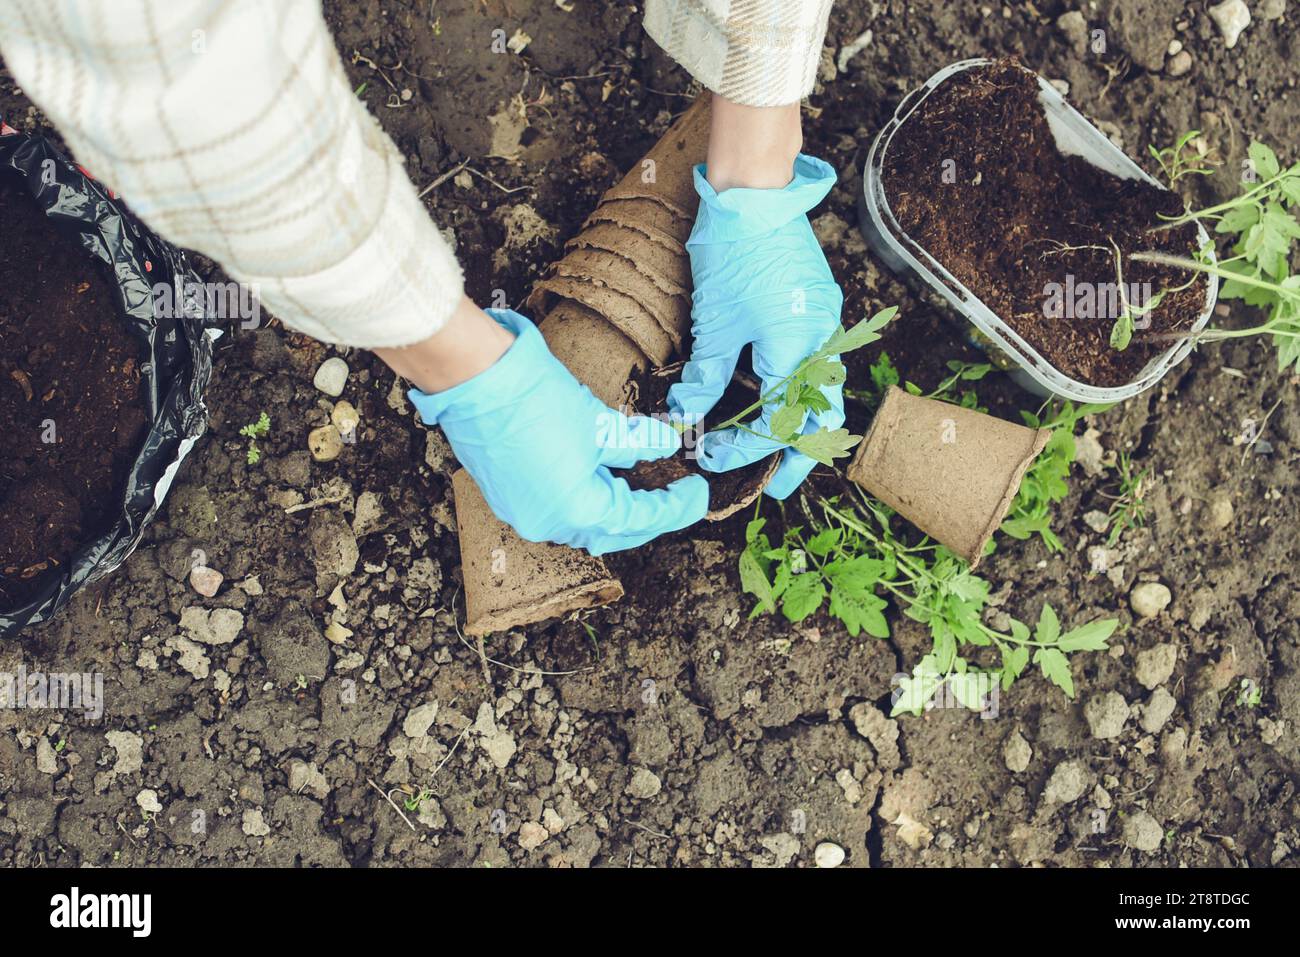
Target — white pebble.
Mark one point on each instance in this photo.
(827, 854)
(1231, 17)
(206, 580)
(1149, 599)
(332, 376)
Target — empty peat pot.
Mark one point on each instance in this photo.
(951, 472)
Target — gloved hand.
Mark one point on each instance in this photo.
(541, 446)
(760, 278)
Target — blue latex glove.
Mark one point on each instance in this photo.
(541, 446)
(761, 278)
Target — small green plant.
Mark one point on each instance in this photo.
(1128, 508)
(800, 393)
(1181, 159)
(254, 431)
(1251, 694)
(849, 559)
(1044, 484)
(884, 374)
(1261, 225)
(413, 801)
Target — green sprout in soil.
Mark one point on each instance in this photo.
(1251, 694)
(1044, 484)
(800, 394)
(1261, 224)
(849, 559)
(413, 802)
(254, 431)
(884, 374)
(1128, 509)
(1181, 159)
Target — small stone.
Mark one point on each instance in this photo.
(325, 443)
(206, 580)
(1106, 715)
(500, 748)
(1016, 752)
(1096, 520)
(1074, 28)
(437, 452)
(1180, 64)
(532, 835)
(1157, 710)
(254, 823)
(332, 376)
(190, 656)
(1231, 17)
(148, 801)
(307, 777)
(1149, 599)
(1220, 511)
(1202, 607)
(827, 854)
(219, 626)
(1068, 782)
(130, 751)
(644, 784)
(1155, 665)
(1142, 832)
(345, 418)
(1272, 9)
(419, 720)
(47, 761)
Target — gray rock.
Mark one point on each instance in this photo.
(307, 777)
(1272, 9)
(644, 784)
(1069, 781)
(1016, 752)
(1155, 665)
(1231, 17)
(1157, 710)
(1180, 64)
(334, 549)
(254, 823)
(332, 376)
(218, 626)
(47, 762)
(190, 656)
(1074, 28)
(827, 854)
(1106, 714)
(419, 720)
(1149, 599)
(1142, 832)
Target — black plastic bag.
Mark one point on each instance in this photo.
(175, 372)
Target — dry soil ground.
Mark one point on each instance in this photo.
(678, 731)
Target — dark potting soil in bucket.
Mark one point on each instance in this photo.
(975, 177)
(72, 410)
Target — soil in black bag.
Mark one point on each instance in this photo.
(974, 176)
(726, 489)
(72, 411)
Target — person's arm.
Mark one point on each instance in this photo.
(231, 129)
(760, 277)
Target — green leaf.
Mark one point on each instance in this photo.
(863, 333)
(824, 542)
(825, 372)
(1056, 668)
(859, 612)
(826, 445)
(803, 597)
(1049, 626)
(1014, 661)
(754, 582)
(1264, 160)
(913, 693)
(1089, 637)
(858, 575)
(786, 422)
(1121, 333)
(971, 689)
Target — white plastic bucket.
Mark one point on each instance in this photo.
(1075, 136)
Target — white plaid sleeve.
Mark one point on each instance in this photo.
(755, 52)
(229, 126)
